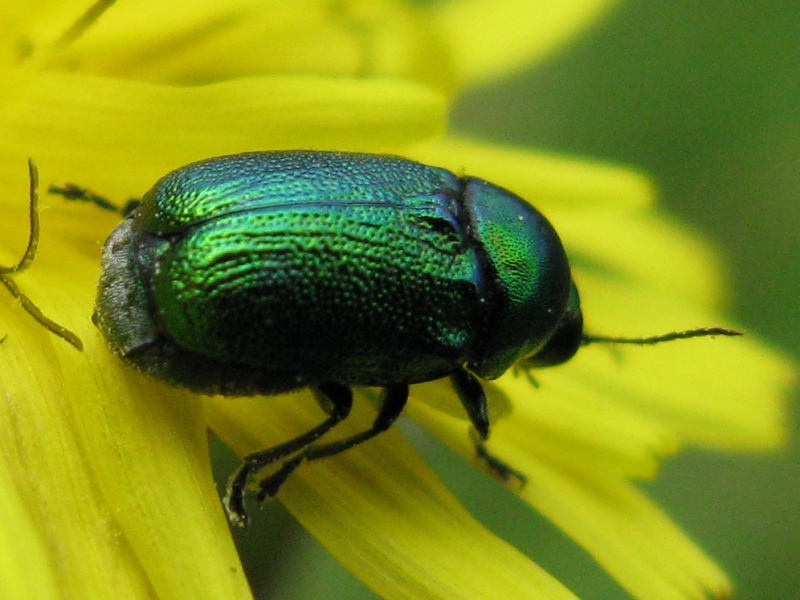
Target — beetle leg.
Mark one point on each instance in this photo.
(498, 469)
(473, 398)
(234, 497)
(70, 191)
(393, 400)
(336, 399)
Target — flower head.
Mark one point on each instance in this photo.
(107, 487)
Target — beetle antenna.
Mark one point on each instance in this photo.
(26, 261)
(657, 339)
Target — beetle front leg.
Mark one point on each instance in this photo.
(473, 398)
(70, 191)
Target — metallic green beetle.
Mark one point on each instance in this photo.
(267, 272)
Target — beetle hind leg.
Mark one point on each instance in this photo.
(393, 400)
(336, 399)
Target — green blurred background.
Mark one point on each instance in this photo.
(704, 96)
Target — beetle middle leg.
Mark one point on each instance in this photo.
(473, 398)
(393, 400)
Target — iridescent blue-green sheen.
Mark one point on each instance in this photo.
(264, 272)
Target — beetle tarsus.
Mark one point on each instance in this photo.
(499, 469)
(234, 497)
(520, 370)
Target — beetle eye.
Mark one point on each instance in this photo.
(566, 340)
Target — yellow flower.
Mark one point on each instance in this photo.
(106, 485)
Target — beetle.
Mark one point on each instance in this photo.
(268, 272)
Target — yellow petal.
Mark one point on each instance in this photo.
(43, 452)
(721, 392)
(626, 533)
(585, 496)
(380, 510)
(118, 136)
(489, 38)
(559, 422)
(23, 550)
(150, 457)
(201, 41)
(115, 472)
(634, 249)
